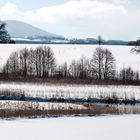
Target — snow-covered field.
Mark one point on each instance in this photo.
(76, 91)
(124, 57)
(94, 128)
(121, 127)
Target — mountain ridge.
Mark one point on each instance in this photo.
(21, 29)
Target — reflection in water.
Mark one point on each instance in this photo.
(128, 109)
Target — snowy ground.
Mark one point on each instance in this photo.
(124, 57)
(94, 128)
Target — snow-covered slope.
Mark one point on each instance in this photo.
(94, 128)
(22, 29)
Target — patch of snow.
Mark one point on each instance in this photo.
(94, 128)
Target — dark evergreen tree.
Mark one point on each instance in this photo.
(4, 36)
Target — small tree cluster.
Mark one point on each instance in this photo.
(100, 66)
(128, 74)
(80, 68)
(103, 63)
(39, 62)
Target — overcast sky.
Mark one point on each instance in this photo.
(113, 19)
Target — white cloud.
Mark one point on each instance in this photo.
(81, 18)
(74, 9)
(121, 1)
(8, 9)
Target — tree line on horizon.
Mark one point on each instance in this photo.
(135, 43)
(41, 63)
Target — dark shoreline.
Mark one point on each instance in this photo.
(70, 80)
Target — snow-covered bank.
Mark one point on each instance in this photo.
(94, 128)
(73, 91)
(25, 105)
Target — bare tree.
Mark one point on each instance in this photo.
(6, 68)
(39, 61)
(137, 76)
(103, 63)
(84, 67)
(24, 55)
(108, 65)
(65, 70)
(129, 75)
(97, 61)
(73, 69)
(31, 62)
(12, 65)
(49, 62)
(122, 75)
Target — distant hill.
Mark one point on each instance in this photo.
(95, 41)
(25, 33)
(19, 29)
(116, 42)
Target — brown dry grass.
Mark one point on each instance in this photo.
(94, 109)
